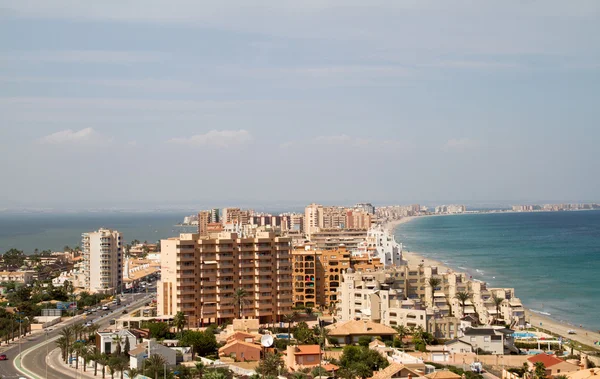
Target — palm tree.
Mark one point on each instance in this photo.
(103, 360)
(117, 340)
(91, 330)
(309, 311)
(497, 302)
(78, 348)
(240, 299)
(78, 330)
(67, 334)
(289, 318)
(402, 332)
(94, 355)
(85, 354)
(200, 369)
(179, 322)
(434, 283)
(117, 363)
(462, 297)
(63, 344)
(154, 365)
(132, 372)
(214, 374)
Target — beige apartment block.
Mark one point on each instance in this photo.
(24, 277)
(403, 295)
(102, 261)
(317, 274)
(200, 276)
(318, 217)
(329, 239)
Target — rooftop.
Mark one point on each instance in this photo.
(355, 327)
(547, 359)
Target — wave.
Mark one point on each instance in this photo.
(541, 312)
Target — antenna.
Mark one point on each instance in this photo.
(266, 340)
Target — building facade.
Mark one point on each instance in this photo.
(102, 261)
(317, 274)
(200, 275)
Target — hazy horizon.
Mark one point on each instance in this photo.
(153, 103)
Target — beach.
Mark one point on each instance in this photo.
(536, 320)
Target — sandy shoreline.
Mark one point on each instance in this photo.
(582, 335)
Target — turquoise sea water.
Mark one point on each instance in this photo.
(53, 231)
(552, 259)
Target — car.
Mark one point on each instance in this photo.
(3, 357)
(105, 308)
(124, 311)
(112, 322)
(89, 323)
(571, 331)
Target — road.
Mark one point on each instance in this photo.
(34, 348)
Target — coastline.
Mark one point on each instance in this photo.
(561, 328)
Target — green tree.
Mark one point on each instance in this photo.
(132, 372)
(154, 365)
(434, 283)
(118, 341)
(102, 359)
(179, 322)
(497, 303)
(303, 334)
(13, 259)
(309, 311)
(539, 370)
(94, 354)
(214, 374)
(290, 318)
(158, 330)
(270, 365)
(402, 332)
(202, 343)
(462, 297)
(67, 334)
(127, 347)
(354, 357)
(118, 364)
(240, 298)
(364, 341)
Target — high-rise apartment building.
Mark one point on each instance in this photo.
(317, 273)
(366, 207)
(204, 218)
(102, 261)
(236, 216)
(201, 275)
(318, 217)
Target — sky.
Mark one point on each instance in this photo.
(158, 103)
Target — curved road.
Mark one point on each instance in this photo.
(35, 347)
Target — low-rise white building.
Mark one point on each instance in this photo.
(106, 342)
(496, 340)
(147, 348)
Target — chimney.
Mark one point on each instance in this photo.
(409, 375)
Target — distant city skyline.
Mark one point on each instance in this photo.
(152, 103)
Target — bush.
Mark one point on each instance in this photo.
(364, 341)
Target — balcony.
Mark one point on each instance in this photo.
(208, 291)
(247, 280)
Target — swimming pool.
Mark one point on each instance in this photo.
(283, 336)
(523, 335)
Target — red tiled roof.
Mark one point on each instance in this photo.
(307, 349)
(547, 359)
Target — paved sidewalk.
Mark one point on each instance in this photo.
(55, 361)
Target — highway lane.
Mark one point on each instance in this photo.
(35, 361)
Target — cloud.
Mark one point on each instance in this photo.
(217, 138)
(156, 85)
(460, 144)
(86, 135)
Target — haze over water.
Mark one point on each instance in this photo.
(552, 259)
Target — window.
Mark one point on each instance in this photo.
(473, 339)
(486, 339)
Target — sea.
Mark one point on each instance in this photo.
(43, 231)
(552, 259)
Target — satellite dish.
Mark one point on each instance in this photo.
(266, 340)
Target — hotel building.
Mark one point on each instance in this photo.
(200, 275)
(102, 264)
